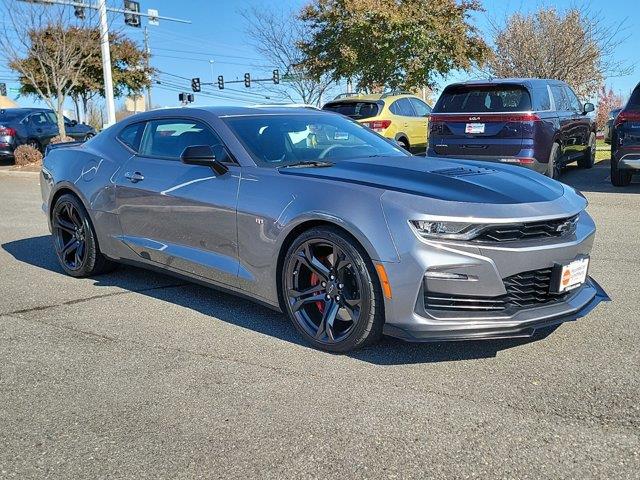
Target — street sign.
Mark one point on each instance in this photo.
(153, 17)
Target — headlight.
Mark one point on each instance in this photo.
(451, 230)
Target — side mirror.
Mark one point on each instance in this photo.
(203, 155)
(588, 107)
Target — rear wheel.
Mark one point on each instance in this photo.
(331, 291)
(619, 178)
(74, 239)
(590, 154)
(34, 144)
(553, 167)
(403, 143)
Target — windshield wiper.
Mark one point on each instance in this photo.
(309, 163)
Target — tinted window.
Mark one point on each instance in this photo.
(168, 138)
(132, 135)
(355, 110)
(574, 103)
(9, 116)
(634, 100)
(484, 98)
(277, 140)
(40, 119)
(53, 118)
(560, 98)
(402, 107)
(541, 100)
(421, 108)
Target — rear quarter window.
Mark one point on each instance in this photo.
(355, 110)
(541, 99)
(484, 99)
(131, 135)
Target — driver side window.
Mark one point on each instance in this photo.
(167, 138)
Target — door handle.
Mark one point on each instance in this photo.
(135, 177)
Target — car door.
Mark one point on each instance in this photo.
(565, 119)
(406, 117)
(581, 130)
(421, 122)
(180, 216)
(73, 129)
(41, 128)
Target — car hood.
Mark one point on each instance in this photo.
(449, 180)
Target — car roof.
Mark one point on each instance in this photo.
(372, 97)
(224, 111)
(25, 110)
(505, 81)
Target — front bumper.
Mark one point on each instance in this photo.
(524, 324)
(482, 272)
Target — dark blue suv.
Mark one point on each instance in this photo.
(35, 127)
(625, 142)
(539, 124)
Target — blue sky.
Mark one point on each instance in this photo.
(218, 34)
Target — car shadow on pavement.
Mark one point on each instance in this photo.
(596, 179)
(38, 252)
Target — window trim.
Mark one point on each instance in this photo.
(119, 139)
(232, 160)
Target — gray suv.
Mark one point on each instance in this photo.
(539, 124)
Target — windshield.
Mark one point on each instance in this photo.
(278, 140)
(480, 99)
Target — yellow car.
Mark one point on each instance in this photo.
(402, 117)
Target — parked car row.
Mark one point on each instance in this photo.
(35, 127)
(536, 123)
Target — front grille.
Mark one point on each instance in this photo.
(525, 231)
(524, 290)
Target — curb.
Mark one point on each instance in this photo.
(19, 173)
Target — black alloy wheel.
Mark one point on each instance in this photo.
(330, 291)
(74, 239)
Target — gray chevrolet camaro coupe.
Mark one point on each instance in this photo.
(318, 216)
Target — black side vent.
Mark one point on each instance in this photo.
(463, 171)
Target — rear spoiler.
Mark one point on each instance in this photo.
(55, 146)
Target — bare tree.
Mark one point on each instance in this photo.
(42, 45)
(276, 36)
(576, 46)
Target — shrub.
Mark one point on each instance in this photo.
(59, 139)
(27, 155)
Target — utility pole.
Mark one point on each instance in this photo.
(147, 49)
(106, 63)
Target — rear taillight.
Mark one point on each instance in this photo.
(7, 131)
(377, 125)
(626, 116)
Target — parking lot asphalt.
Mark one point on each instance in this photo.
(139, 375)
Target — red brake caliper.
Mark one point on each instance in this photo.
(315, 280)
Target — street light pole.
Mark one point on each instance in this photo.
(106, 63)
(213, 80)
(147, 49)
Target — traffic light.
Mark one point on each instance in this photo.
(247, 80)
(190, 97)
(220, 82)
(276, 77)
(3, 89)
(186, 98)
(78, 11)
(132, 19)
(195, 84)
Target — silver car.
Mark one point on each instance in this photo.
(319, 217)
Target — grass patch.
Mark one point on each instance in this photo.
(603, 151)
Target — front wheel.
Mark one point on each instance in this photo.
(331, 291)
(74, 239)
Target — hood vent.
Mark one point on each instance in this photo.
(463, 171)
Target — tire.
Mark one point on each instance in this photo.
(619, 178)
(553, 168)
(88, 136)
(35, 144)
(403, 143)
(331, 292)
(589, 158)
(74, 239)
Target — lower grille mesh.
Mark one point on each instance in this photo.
(524, 290)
